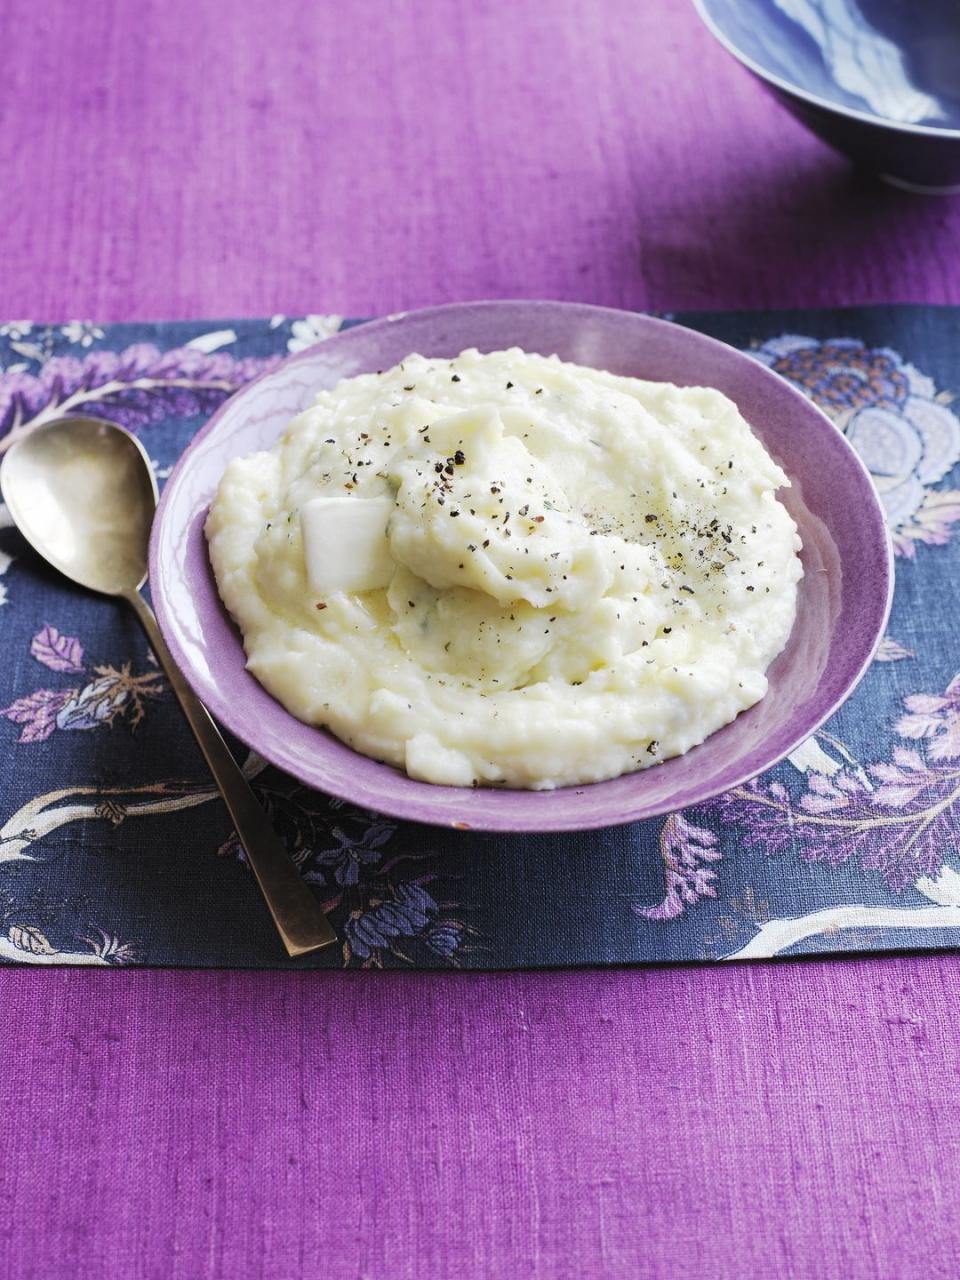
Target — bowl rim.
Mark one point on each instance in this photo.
(814, 99)
(418, 807)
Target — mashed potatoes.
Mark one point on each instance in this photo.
(509, 569)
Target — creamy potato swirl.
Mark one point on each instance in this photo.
(587, 573)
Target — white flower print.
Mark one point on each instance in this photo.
(903, 428)
(16, 329)
(311, 330)
(83, 332)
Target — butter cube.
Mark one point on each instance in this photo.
(345, 543)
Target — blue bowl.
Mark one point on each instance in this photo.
(877, 79)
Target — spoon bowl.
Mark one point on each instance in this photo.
(83, 494)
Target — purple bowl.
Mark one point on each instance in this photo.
(843, 602)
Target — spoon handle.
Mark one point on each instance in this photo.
(299, 919)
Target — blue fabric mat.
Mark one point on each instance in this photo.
(115, 850)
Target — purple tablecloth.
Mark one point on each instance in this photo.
(188, 158)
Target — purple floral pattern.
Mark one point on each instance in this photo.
(136, 387)
(37, 713)
(379, 899)
(896, 816)
(110, 693)
(687, 851)
(56, 651)
(903, 428)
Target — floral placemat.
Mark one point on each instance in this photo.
(115, 849)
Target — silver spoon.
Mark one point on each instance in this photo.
(83, 494)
